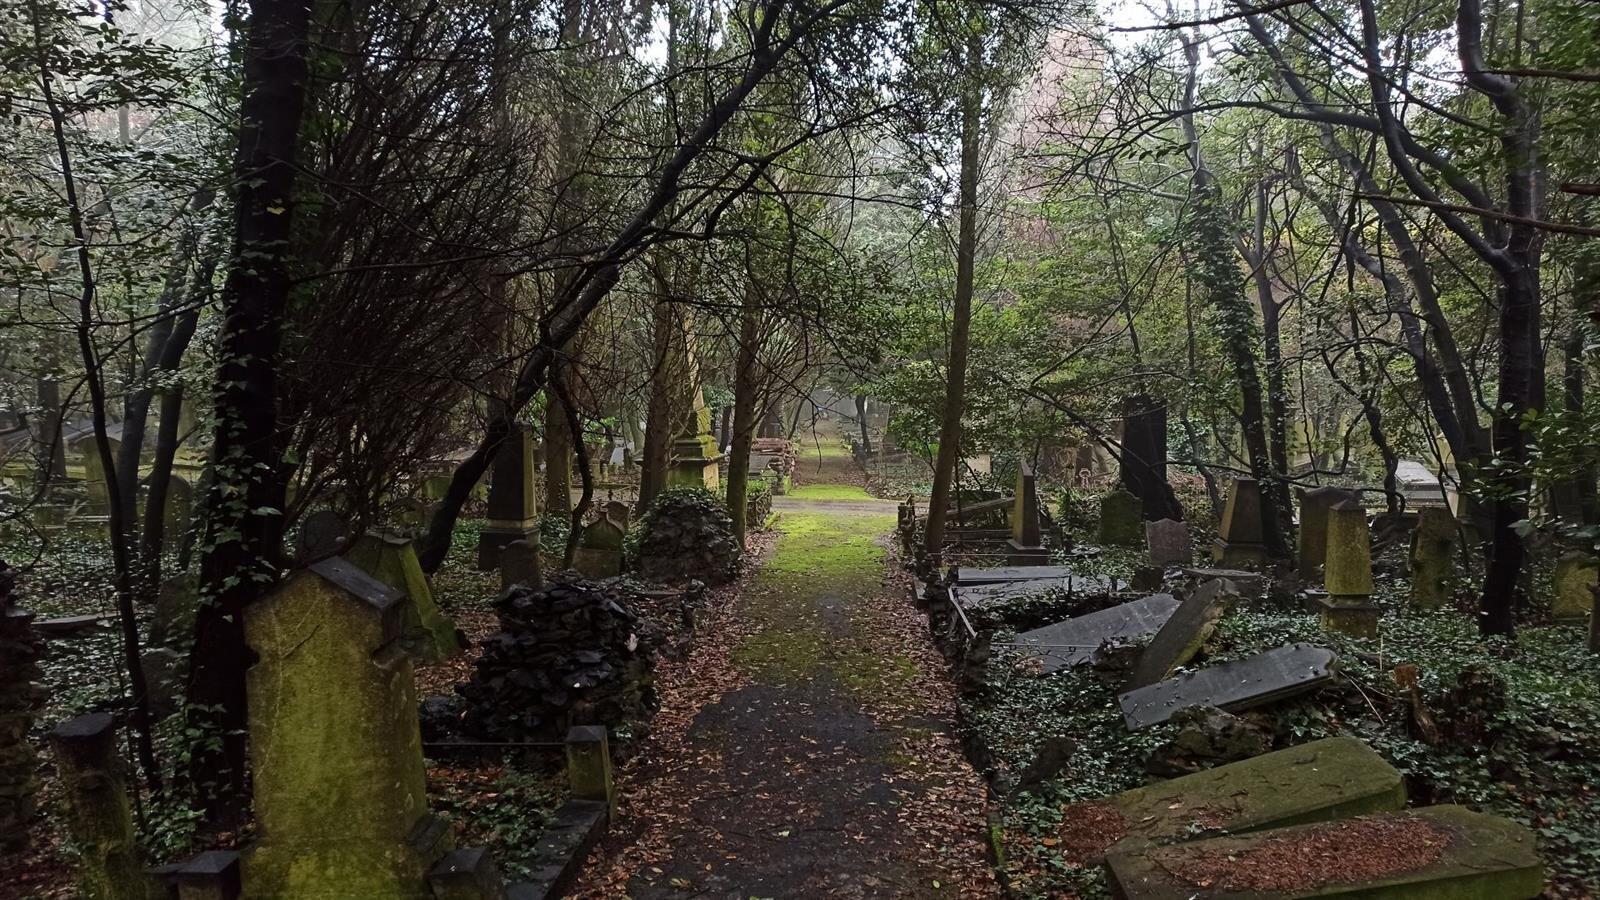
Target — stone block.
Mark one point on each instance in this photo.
(1432, 562)
(589, 765)
(1242, 684)
(1348, 566)
(1121, 519)
(1168, 543)
(1183, 633)
(468, 873)
(519, 564)
(98, 814)
(392, 560)
(1313, 538)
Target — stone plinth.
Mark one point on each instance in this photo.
(1348, 607)
(1432, 547)
(1240, 540)
(513, 503)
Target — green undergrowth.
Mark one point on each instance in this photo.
(829, 492)
(1541, 765)
(505, 810)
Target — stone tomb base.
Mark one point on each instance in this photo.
(1239, 555)
(1353, 616)
(1441, 853)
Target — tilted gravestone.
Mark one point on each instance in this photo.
(1240, 539)
(1121, 519)
(1002, 574)
(1313, 538)
(1324, 780)
(513, 513)
(619, 513)
(1432, 546)
(600, 550)
(333, 727)
(1183, 634)
(1347, 573)
(1025, 548)
(1241, 684)
(1075, 641)
(519, 564)
(1168, 542)
(94, 783)
(1574, 581)
(393, 561)
(1438, 851)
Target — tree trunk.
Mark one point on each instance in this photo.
(746, 399)
(861, 422)
(244, 521)
(49, 443)
(559, 442)
(656, 454)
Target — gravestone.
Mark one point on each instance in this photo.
(1075, 641)
(1435, 852)
(320, 534)
(1121, 519)
(1313, 538)
(1240, 539)
(20, 697)
(94, 784)
(333, 728)
(1168, 542)
(393, 560)
(600, 550)
(619, 513)
(1242, 684)
(1348, 608)
(1432, 547)
(1324, 780)
(513, 504)
(1142, 465)
(1574, 580)
(1182, 635)
(1025, 547)
(695, 458)
(1250, 585)
(94, 474)
(519, 564)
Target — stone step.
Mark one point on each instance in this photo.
(1333, 778)
(1438, 853)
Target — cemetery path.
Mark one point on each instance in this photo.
(806, 747)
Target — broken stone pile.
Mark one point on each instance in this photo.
(19, 696)
(570, 654)
(687, 533)
(777, 454)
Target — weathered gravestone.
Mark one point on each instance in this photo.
(1333, 778)
(98, 816)
(600, 550)
(619, 513)
(1437, 852)
(1348, 608)
(1183, 634)
(333, 728)
(519, 564)
(393, 561)
(1241, 684)
(1025, 547)
(1075, 641)
(1432, 545)
(1313, 538)
(513, 504)
(321, 534)
(1240, 539)
(1168, 542)
(1121, 519)
(94, 474)
(695, 457)
(1250, 585)
(20, 696)
(1574, 581)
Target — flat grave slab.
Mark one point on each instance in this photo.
(1441, 853)
(1334, 778)
(1241, 684)
(998, 574)
(1071, 585)
(1074, 642)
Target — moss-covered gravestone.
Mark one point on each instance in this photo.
(1313, 537)
(1121, 519)
(1348, 608)
(1432, 545)
(340, 800)
(1574, 581)
(1240, 540)
(1025, 547)
(393, 561)
(600, 550)
(695, 459)
(98, 815)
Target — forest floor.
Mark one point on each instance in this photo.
(806, 747)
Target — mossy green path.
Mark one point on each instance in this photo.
(826, 764)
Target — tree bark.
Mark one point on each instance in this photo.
(746, 399)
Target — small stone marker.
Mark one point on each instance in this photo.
(1348, 608)
(1574, 581)
(1182, 635)
(393, 560)
(1242, 684)
(1121, 519)
(321, 534)
(1313, 540)
(1439, 851)
(208, 875)
(1168, 540)
(1333, 778)
(1240, 540)
(519, 564)
(619, 513)
(466, 874)
(1025, 547)
(1075, 641)
(600, 550)
(98, 816)
(1432, 545)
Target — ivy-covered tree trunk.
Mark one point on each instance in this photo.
(245, 519)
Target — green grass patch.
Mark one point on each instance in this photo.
(829, 492)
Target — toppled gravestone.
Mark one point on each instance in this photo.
(686, 533)
(1076, 641)
(571, 653)
(1242, 684)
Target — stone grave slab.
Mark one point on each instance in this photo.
(1438, 852)
(1072, 585)
(1241, 684)
(1074, 642)
(1250, 584)
(1183, 633)
(1333, 778)
(999, 574)
(1168, 543)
